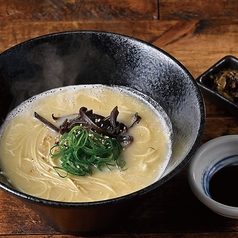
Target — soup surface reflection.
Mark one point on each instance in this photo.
(26, 142)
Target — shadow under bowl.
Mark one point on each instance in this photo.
(86, 57)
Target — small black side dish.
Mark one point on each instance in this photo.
(205, 84)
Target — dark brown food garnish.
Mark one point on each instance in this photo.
(46, 122)
(107, 126)
(226, 84)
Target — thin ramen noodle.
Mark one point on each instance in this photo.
(25, 144)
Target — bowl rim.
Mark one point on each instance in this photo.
(142, 191)
(197, 187)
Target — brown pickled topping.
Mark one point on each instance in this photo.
(226, 84)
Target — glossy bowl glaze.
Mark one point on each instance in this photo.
(86, 57)
(209, 159)
(205, 83)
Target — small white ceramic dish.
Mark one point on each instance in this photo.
(208, 159)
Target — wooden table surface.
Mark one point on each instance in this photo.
(196, 32)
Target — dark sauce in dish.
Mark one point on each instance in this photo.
(222, 186)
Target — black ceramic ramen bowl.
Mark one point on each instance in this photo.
(85, 57)
(206, 83)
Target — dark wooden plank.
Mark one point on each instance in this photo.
(213, 110)
(196, 44)
(158, 235)
(15, 32)
(162, 235)
(68, 10)
(197, 9)
(220, 126)
(15, 218)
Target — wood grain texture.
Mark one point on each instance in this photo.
(74, 10)
(16, 218)
(196, 44)
(197, 9)
(199, 44)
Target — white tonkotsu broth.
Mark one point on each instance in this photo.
(25, 144)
